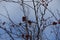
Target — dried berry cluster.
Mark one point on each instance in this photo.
(55, 23)
(25, 19)
(26, 36)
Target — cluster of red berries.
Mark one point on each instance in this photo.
(26, 36)
(24, 19)
(55, 23)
